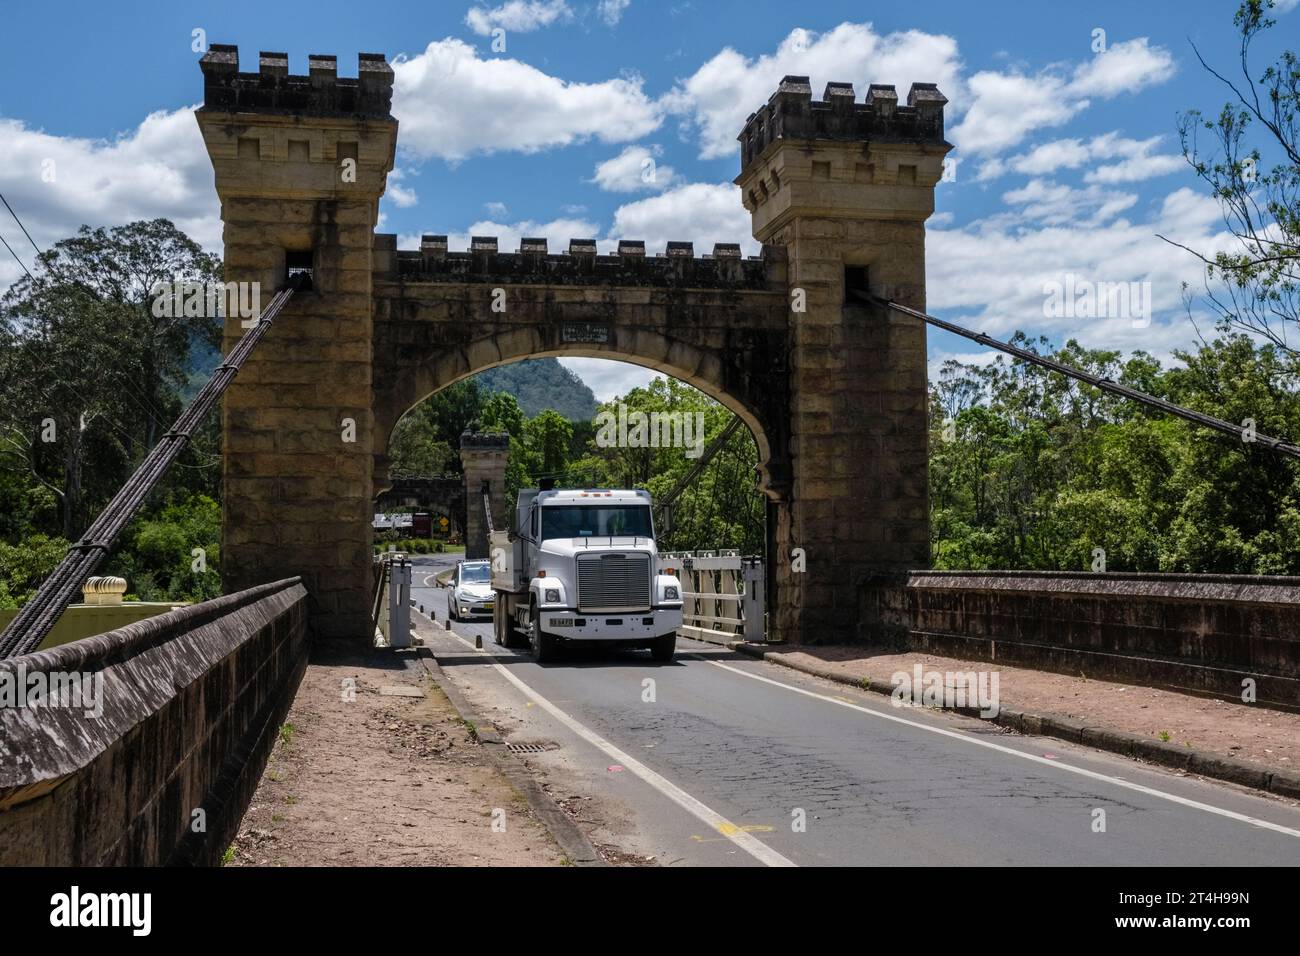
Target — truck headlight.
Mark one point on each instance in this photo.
(670, 593)
(552, 595)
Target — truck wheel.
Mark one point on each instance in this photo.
(664, 647)
(500, 623)
(544, 648)
(513, 636)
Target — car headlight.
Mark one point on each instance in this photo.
(552, 595)
(670, 593)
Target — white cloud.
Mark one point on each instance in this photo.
(517, 16)
(636, 169)
(701, 213)
(718, 96)
(609, 379)
(999, 300)
(497, 209)
(158, 169)
(400, 196)
(1007, 107)
(1133, 169)
(1053, 203)
(938, 356)
(452, 105)
(1136, 160)
(1124, 68)
(611, 11)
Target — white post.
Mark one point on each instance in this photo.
(754, 603)
(399, 603)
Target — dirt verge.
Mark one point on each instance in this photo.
(374, 767)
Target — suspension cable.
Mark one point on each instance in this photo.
(1246, 435)
(39, 615)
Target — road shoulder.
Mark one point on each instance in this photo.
(374, 766)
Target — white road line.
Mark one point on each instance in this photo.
(755, 848)
(1054, 764)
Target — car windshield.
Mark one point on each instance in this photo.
(584, 521)
(474, 574)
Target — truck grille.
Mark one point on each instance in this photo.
(614, 582)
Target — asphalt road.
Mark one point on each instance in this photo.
(721, 758)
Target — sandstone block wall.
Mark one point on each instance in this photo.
(192, 701)
(1201, 633)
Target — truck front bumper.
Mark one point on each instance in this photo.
(639, 626)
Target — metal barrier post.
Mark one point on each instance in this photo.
(752, 608)
(399, 602)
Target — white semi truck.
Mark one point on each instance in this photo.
(581, 567)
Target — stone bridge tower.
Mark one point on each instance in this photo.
(845, 188)
(301, 162)
(483, 456)
(831, 385)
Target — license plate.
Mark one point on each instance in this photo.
(561, 622)
(488, 607)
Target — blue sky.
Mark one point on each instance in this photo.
(1068, 160)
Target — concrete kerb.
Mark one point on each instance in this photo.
(1128, 745)
(572, 841)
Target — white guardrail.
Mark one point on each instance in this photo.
(722, 594)
(393, 599)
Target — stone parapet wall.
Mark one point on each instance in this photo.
(191, 702)
(1202, 633)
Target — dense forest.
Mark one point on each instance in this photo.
(1028, 470)
(90, 379)
(1031, 470)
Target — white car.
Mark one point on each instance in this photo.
(471, 590)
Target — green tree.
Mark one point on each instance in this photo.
(88, 371)
(1249, 157)
(1035, 472)
(501, 413)
(549, 435)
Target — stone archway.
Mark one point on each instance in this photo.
(834, 390)
(446, 365)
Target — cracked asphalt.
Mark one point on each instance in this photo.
(870, 790)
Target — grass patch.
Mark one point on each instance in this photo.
(471, 728)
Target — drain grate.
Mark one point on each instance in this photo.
(532, 748)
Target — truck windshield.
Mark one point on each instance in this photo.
(585, 521)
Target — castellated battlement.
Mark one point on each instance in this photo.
(676, 266)
(273, 89)
(792, 113)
